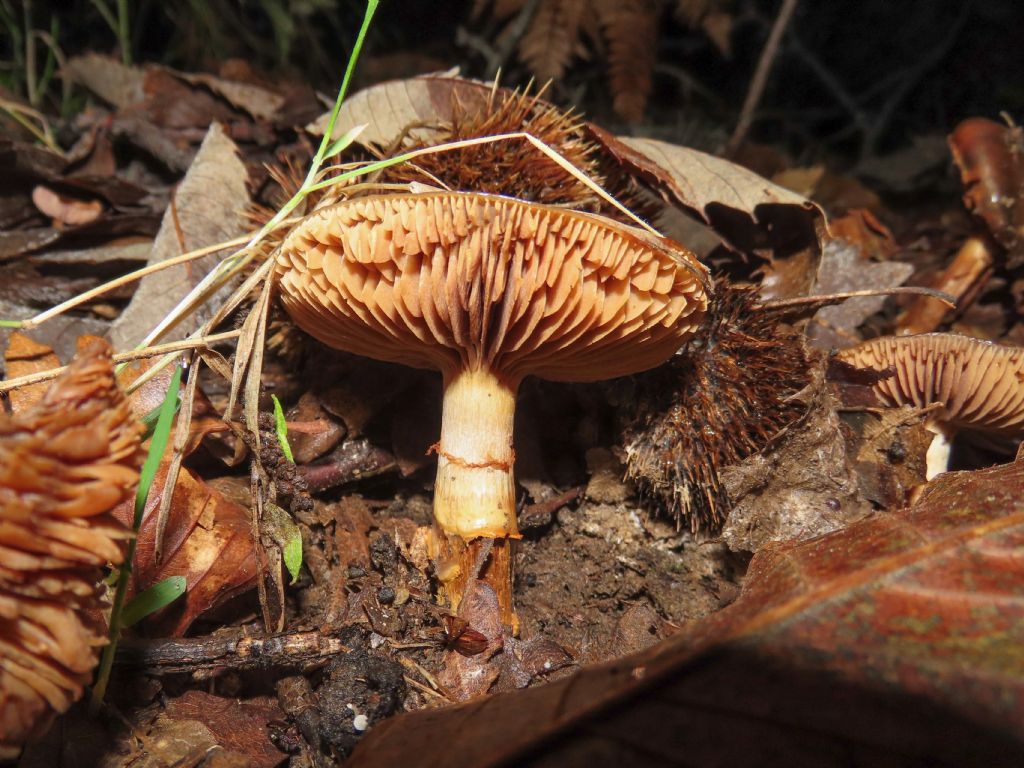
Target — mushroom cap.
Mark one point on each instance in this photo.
(459, 280)
(980, 384)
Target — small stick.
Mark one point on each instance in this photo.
(764, 67)
(232, 651)
(832, 298)
(121, 357)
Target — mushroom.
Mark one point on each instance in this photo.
(487, 290)
(65, 463)
(970, 384)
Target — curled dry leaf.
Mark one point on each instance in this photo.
(207, 540)
(895, 641)
(990, 157)
(64, 464)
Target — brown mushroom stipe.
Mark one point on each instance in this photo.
(64, 464)
(487, 290)
(979, 384)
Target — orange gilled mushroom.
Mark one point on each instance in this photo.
(487, 290)
(64, 464)
(973, 384)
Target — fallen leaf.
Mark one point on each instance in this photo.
(416, 104)
(25, 356)
(963, 279)
(65, 210)
(844, 267)
(749, 212)
(990, 157)
(892, 642)
(208, 541)
(114, 82)
(207, 209)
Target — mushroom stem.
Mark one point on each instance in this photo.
(474, 497)
(937, 457)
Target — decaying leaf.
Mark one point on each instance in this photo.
(844, 267)
(896, 640)
(207, 540)
(991, 161)
(749, 212)
(207, 209)
(64, 464)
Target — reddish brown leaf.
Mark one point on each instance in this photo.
(239, 726)
(991, 161)
(963, 279)
(895, 641)
(207, 540)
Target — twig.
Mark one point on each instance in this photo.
(121, 357)
(834, 298)
(764, 67)
(210, 655)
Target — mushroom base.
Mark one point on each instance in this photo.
(461, 561)
(474, 497)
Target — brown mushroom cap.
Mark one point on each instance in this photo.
(455, 281)
(980, 384)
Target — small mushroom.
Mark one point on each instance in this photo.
(487, 290)
(970, 383)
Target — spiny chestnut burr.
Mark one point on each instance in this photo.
(716, 402)
(487, 290)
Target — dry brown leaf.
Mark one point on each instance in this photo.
(845, 268)
(207, 209)
(108, 78)
(963, 279)
(124, 86)
(207, 540)
(25, 356)
(895, 641)
(419, 104)
(64, 464)
(749, 212)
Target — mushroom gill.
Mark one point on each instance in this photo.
(487, 290)
(64, 464)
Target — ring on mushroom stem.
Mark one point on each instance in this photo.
(978, 384)
(487, 290)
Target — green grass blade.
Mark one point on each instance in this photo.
(281, 428)
(161, 435)
(158, 596)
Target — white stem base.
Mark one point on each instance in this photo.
(937, 458)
